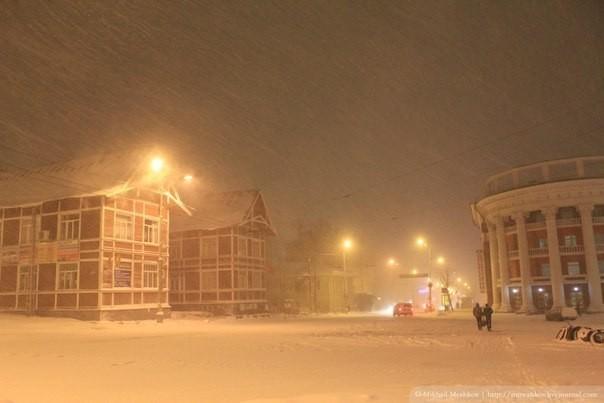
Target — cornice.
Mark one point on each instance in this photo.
(556, 194)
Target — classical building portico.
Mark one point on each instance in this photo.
(545, 229)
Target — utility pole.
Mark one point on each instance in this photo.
(160, 264)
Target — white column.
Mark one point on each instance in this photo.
(554, 257)
(525, 265)
(494, 257)
(503, 265)
(591, 260)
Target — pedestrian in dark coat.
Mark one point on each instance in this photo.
(487, 311)
(477, 311)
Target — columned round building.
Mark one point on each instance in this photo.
(542, 232)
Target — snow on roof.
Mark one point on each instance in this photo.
(103, 173)
(219, 210)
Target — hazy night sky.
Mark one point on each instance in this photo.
(386, 117)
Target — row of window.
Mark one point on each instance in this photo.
(213, 247)
(573, 268)
(69, 228)
(212, 280)
(67, 276)
(124, 228)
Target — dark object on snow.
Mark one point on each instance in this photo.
(581, 333)
(560, 314)
(477, 312)
(487, 311)
(554, 314)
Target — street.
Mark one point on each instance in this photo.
(338, 358)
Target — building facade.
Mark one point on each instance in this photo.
(542, 234)
(95, 255)
(218, 257)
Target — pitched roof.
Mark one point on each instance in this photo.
(103, 173)
(222, 210)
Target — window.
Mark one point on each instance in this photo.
(601, 266)
(570, 240)
(122, 274)
(123, 227)
(599, 238)
(25, 275)
(544, 270)
(151, 231)
(175, 250)
(208, 280)
(255, 248)
(177, 282)
(68, 276)
(256, 279)
(150, 275)
(224, 245)
(27, 231)
(70, 227)
(242, 279)
(574, 269)
(224, 279)
(208, 247)
(241, 247)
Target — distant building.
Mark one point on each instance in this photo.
(218, 257)
(84, 239)
(322, 285)
(542, 229)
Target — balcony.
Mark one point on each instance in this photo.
(513, 254)
(510, 228)
(535, 225)
(571, 250)
(564, 222)
(598, 220)
(600, 247)
(535, 252)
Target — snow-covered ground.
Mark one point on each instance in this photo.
(346, 358)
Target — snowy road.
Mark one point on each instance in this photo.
(324, 359)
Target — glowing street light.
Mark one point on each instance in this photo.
(421, 242)
(459, 279)
(440, 260)
(347, 244)
(392, 262)
(157, 164)
(414, 272)
(188, 178)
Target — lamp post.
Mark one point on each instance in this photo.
(422, 244)
(158, 169)
(346, 246)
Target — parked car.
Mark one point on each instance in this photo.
(403, 309)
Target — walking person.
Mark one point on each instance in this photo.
(487, 311)
(477, 312)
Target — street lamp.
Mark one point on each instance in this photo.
(158, 169)
(157, 164)
(392, 262)
(423, 244)
(346, 246)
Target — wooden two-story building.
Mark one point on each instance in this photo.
(84, 239)
(218, 256)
